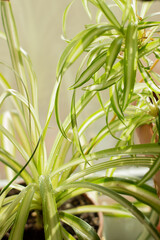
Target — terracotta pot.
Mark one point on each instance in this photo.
(144, 134)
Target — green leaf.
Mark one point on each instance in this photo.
(143, 25)
(143, 193)
(107, 123)
(154, 219)
(145, 7)
(130, 62)
(6, 121)
(118, 198)
(83, 101)
(60, 126)
(32, 113)
(120, 4)
(112, 53)
(18, 146)
(108, 13)
(114, 127)
(95, 65)
(11, 162)
(62, 62)
(145, 149)
(52, 227)
(32, 79)
(126, 12)
(8, 223)
(148, 79)
(19, 173)
(11, 209)
(86, 40)
(103, 83)
(109, 210)
(91, 119)
(3, 197)
(136, 161)
(67, 235)
(85, 4)
(22, 214)
(65, 16)
(115, 97)
(149, 48)
(13, 43)
(79, 44)
(154, 168)
(75, 128)
(20, 132)
(81, 228)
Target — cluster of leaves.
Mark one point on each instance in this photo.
(113, 51)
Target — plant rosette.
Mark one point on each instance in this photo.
(34, 226)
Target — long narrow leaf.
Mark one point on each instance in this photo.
(82, 229)
(32, 78)
(11, 162)
(125, 203)
(65, 16)
(66, 235)
(80, 46)
(97, 63)
(130, 62)
(75, 128)
(108, 13)
(114, 96)
(86, 97)
(112, 53)
(148, 48)
(103, 82)
(22, 214)
(154, 168)
(13, 42)
(154, 219)
(6, 121)
(17, 145)
(11, 209)
(148, 79)
(145, 193)
(19, 173)
(85, 4)
(52, 226)
(112, 210)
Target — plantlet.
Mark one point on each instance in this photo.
(113, 51)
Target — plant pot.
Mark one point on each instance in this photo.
(34, 226)
(144, 134)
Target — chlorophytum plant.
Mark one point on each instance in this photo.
(113, 51)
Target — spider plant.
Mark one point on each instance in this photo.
(113, 50)
(119, 57)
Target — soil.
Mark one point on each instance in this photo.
(31, 231)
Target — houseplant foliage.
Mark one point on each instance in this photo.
(111, 60)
